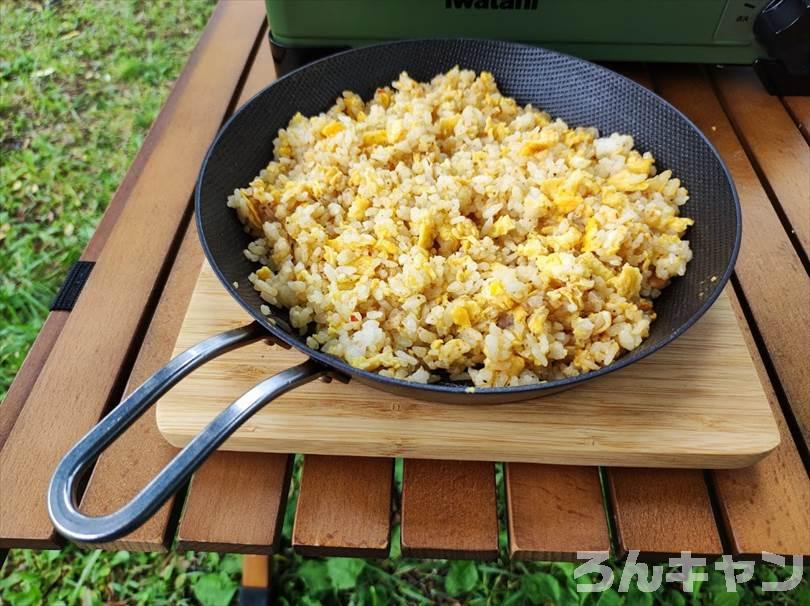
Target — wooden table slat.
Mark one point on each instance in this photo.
(766, 507)
(553, 511)
(799, 108)
(236, 504)
(87, 364)
(344, 507)
(449, 510)
(773, 280)
(772, 139)
(676, 516)
(761, 505)
(636, 495)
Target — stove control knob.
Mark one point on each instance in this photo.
(783, 28)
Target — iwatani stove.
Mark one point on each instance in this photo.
(773, 36)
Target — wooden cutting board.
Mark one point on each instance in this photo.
(696, 403)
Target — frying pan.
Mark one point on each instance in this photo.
(577, 91)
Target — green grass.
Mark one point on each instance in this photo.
(80, 83)
(71, 576)
(95, 577)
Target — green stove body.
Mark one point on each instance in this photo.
(694, 31)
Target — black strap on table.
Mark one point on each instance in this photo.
(72, 286)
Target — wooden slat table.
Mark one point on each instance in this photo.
(84, 361)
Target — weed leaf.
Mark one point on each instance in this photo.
(461, 578)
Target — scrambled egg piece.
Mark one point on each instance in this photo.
(332, 128)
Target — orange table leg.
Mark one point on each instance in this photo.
(255, 590)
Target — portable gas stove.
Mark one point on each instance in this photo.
(773, 35)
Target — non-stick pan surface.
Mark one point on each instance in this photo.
(579, 92)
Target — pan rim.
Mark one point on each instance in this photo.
(516, 392)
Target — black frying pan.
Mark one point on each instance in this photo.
(579, 92)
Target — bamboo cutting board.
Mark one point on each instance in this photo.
(696, 403)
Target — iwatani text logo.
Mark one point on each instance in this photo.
(529, 5)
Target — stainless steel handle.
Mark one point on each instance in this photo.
(62, 493)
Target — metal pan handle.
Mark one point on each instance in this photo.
(62, 492)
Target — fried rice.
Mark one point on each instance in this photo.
(440, 230)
